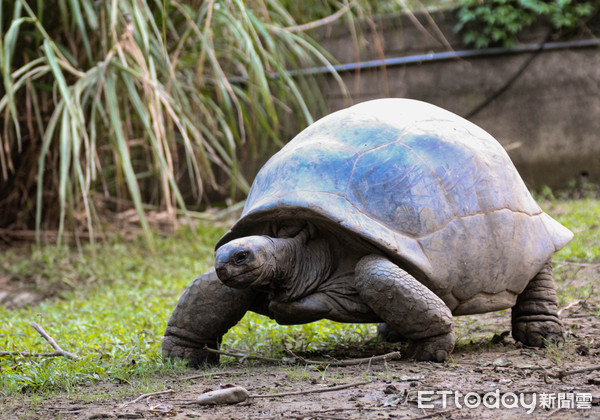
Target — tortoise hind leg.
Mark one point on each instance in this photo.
(534, 317)
(406, 306)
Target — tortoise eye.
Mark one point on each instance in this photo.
(240, 257)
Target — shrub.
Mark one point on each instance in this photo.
(498, 22)
(141, 102)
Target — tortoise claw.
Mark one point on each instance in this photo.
(538, 333)
(434, 349)
(196, 355)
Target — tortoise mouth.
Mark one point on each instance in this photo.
(240, 280)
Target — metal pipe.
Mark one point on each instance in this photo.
(447, 55)
(433, 57)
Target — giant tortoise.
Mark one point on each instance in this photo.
(392, 211)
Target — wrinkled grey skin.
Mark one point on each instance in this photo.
(314, 274)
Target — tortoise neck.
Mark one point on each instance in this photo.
(301, 264)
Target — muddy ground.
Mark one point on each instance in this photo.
(487, 365)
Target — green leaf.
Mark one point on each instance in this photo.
(125, 158)
(7, 48)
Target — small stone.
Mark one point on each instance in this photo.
(595, 380)
(397, 399)
(232, 395)
(390, 389)
(393, 400)
(500, 362)
(411, 378)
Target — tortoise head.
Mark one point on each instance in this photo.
(246, 261)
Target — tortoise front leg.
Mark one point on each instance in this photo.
(204, 313)
(534, 317)
(387, 333)
(407, 306)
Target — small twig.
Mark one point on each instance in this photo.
(569, 306)
(205, 374)
(332, 410)
(29, 354)
(577, 264)
(562, 373)
(439, 413)
(53, 343)
(374, 359)
(321, 22)
(57, 350)
(295, 356)
(513, 146)
(553, 412)
(349, 362)
(150, 394)
(244, 356)
(311, 391)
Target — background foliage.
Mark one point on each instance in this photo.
(140, 102)
(169, 104)
(498, 22)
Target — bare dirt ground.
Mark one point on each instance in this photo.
(380, 390)
(561, 382)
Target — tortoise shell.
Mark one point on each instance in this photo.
(435, 193)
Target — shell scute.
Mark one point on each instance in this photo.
(392, 186)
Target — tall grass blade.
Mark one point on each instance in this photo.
(134, 103)
(125, 158)
(7, 48)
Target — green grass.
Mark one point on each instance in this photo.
(583, 218)
(115, 316)
(112, 308)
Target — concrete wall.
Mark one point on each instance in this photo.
(549, 118)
